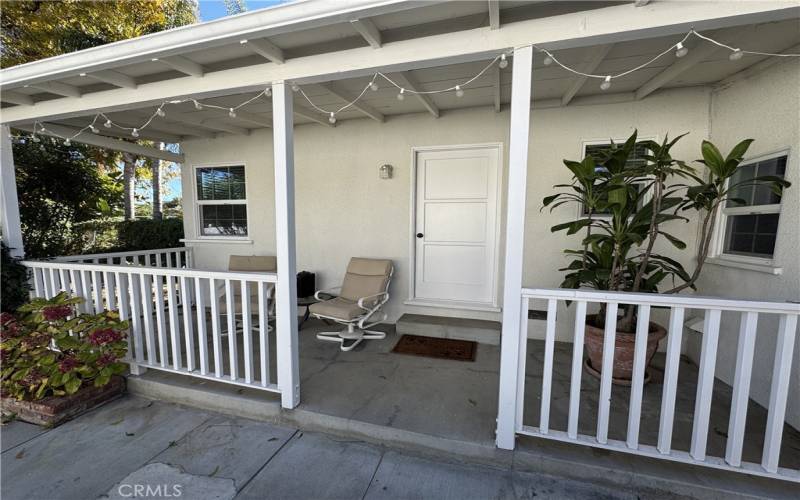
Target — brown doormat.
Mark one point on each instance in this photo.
(431, 347)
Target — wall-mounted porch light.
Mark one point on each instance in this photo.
(385, 171)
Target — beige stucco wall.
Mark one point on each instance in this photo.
(343, 209)
(766, 108)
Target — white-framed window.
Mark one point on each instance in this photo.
(748, 229)
(595, 148)
(221, 196)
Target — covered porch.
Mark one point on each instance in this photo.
(530, 389)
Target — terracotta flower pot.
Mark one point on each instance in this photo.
(623, 350)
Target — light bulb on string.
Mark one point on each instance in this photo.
(35, 138)
(503, 61)
(736, 55)
(373, 86)
(548, 60)
(107, 124)
(332, 118)
(295, 87)
(135, 133)
(94, 129)
(268, 91)
(459, 91)
(197, 105)
(67, 142)
(160, 112)
(401, 95)
(232, 113)
(680, 50)
(606, 83)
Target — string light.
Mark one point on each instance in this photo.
(67, 142)
(501, 60)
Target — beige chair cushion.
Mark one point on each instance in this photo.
(237, 304)
(253, 263)
(338, 308)
(365, 277)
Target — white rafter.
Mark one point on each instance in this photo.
(359, 106)
(55, 130)
(406, 80)
(494, 14)
(112, 77)
(595, 59)
(367, 29)
(184, 65)
(310, 115)
(58, 88)
(758, 67)
(16, 98)
(266, 49)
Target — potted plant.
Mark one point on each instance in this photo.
(57, 362)
(627, 208)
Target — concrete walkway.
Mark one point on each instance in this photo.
(141, 448)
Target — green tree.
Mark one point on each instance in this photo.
(60, 186)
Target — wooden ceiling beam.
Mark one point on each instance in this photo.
(16, 98)
(359, 106)
(184, 65)
(265, 49)
(494, 14)
(58, 88)
(367, 29)
(598, 54)
(113, 77)
(406, 80)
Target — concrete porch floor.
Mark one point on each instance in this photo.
(457, 402)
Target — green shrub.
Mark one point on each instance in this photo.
(150, 234)
(48, 348)
(15, 288)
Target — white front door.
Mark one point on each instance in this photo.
(456, 224)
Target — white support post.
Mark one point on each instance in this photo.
(9, 204)
(286, 287)
(515, 230)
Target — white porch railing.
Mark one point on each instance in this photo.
(162, 257)
(170, 310)
(677, 304)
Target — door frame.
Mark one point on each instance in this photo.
(443, 303)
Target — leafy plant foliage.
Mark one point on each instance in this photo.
(15, 287)
(48, 348)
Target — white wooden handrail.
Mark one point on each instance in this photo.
(90, 256)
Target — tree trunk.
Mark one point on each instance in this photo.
(129, 181)
(157, 204)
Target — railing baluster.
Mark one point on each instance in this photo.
(263, 333)
(136, 314)
(705, 384)
(53, 283)
(670, 386)
(97, 291)
(230, 308)
(779, 392)
(110, 291)
(62, 276)
(521, 361)
(174, 325)
(202, 339)
(607, 373)
(247, 339)
(86, 283)
(547, 369)
(122, 295)
(147, 315)
(158, 290)
(215, 328)
(38, 282)
(637, 379)
(577, 369)
(188, 330)
(741, 388)
(75, 284)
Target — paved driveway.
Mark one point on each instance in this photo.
(137, 448)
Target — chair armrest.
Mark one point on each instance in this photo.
(362, 299)
(331, 292)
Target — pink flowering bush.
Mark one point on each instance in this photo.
(48, 348)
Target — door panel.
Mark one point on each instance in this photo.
(456, 224)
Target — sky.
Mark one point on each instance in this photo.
(214, 9)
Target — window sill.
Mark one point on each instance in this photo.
(749, 266)
(224, 241)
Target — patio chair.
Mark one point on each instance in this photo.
(249, 263)
(363, 293)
